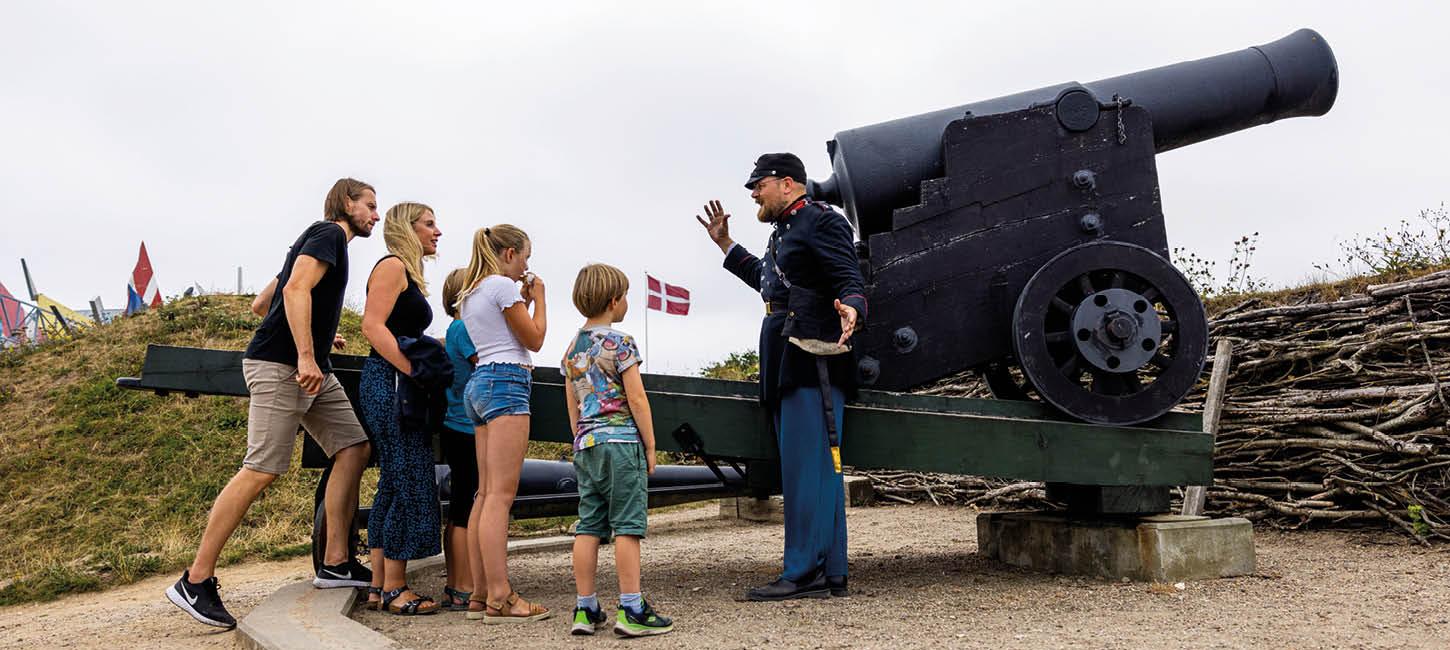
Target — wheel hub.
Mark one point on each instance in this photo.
(1117, 330)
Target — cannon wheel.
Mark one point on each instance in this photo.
(1007, 381)
(1111, 333)
(319, 526)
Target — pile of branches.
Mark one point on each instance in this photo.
(1336, 412)
(952, 489)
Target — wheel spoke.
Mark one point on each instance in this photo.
(1060, 336)
(1151, 294)
(1160, 361)
(1131, 383)
(1072, 368)
(1106, 383)
(1061, 305)
(1085, 284)
(1118, 280)
(1169, 326)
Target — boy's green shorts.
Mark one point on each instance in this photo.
(612, 489)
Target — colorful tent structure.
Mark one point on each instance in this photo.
(142, 291)
(12, 314)
(52, 326)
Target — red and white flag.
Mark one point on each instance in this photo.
(668, 298)
(141, 290)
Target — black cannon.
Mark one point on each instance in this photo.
(1023, 236)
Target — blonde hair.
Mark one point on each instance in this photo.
(488, 245)
(596, 286)
(452, 286)
(402, 240)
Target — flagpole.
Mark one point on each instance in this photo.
(646, 319)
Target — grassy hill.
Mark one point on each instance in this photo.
(105, 485)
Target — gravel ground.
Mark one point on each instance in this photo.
(917, 582)
(139, 615)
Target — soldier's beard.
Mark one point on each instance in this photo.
(767, 213)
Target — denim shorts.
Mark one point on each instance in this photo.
(497, 389)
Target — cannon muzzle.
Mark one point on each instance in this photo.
(879, 168)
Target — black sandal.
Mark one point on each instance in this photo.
(414, 607)
(374, 605)
(455, 600)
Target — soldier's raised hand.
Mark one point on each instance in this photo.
(717, 225)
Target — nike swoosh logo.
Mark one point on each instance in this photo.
(187, 595)
(344, 576)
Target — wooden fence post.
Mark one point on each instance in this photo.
(1194, 496)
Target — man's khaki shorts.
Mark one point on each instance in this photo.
(278, 406)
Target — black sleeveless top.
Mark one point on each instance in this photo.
(411, 313)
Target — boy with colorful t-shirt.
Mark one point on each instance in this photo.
(614, 449)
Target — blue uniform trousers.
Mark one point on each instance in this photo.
(815, 497)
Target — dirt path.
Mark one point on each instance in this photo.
(918, 583)
(139, 616)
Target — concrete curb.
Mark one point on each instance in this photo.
(300, 616)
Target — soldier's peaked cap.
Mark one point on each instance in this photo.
(780, 165)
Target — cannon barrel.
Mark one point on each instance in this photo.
(879, 168)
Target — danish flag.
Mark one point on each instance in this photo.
(668, 298)
(141, 291)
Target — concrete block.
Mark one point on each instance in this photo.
(859, 491)
(770, 510)
(1162, 548)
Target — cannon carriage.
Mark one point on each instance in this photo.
(1024, 236)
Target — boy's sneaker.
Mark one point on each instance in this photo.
(347, 574)
(646, 623)
(586, 621)
(200, 600)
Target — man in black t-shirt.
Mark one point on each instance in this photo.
(288, 373)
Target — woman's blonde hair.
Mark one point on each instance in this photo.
(452, 286)
(402, 240)
(596, 286)
(488, 245)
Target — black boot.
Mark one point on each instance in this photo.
(783, 589)
(837, 585)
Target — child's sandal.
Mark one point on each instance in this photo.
(374, 604)
(495, 613)
(419, 605)
(455, 600)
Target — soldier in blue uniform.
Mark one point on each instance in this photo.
(811, 284)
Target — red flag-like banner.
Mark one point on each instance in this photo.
(668, 298)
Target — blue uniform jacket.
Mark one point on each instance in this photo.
(814, 247)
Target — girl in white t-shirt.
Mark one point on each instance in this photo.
(495, 311)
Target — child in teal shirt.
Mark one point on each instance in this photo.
(614, 449)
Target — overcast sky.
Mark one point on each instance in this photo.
(212, 130)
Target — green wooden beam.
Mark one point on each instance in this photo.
(1025, 440)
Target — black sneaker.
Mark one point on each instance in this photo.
(347, 574)
(586, 621)
(646, 623)
(200, 600)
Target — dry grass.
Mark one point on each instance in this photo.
(1317, 288)
(106, 485)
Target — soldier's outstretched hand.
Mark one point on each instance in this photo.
(717, 224)
(848, 320)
